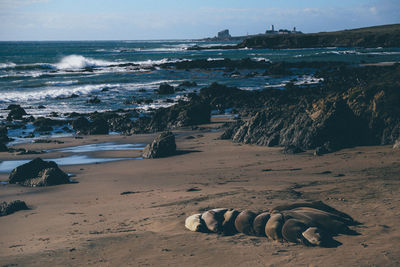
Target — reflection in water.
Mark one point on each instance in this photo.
(9, 165)
(99, 147)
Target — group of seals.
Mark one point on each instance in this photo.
(308, 223)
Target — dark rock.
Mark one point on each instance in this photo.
(182, 114)
(16, 112)
(41, 107)
(165, 89)
(3, 147)
(188, 84)
(99, 126)
(38, 173)
(81, 125)
(163, 146)
(11, 207)
(94, 100)
(3, 135)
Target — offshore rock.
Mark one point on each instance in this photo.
(163, 146)
(165, 89)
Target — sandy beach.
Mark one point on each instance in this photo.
(132, 212)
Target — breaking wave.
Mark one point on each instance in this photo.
(80, 62)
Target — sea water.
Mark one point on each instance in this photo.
(49, 73)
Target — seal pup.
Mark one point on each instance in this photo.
(228, 225)
(213, 219)
(259, 223)
(244, 222)
(273, 228)
(195, 224)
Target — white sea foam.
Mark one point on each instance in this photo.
(62, 83)
(215, 59)
(51, 93)
(261, 59)
(149, 63)
(80, 62)
(7, 65)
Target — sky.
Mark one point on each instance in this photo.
(183, 19)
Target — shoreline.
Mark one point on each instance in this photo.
(92, 223)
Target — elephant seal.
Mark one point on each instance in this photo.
(213, 219)
(319, 205)
(195, 224)
(320, 219)
(292, 231)
(259, 223)
(244, 222)
(228, 225)
(273, 228)
(314, 236)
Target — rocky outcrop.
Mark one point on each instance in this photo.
(182, 114)
(165, 89)
(3, 139)
(11, 207)
(163, 146)
(16, 112)
(38, 173)
(365, 114)
(83, 126)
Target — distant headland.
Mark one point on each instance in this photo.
(377, 36)
(224, 35)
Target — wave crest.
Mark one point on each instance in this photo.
(80, 62)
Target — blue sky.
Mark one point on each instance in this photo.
(180, 19)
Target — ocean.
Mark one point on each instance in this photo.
(63, 76)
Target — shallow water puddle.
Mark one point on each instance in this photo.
(8, 165)
(99, 147)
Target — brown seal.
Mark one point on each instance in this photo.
(292, 231)
(319, 205)
(228, 225)
(273, 228)
(259, 223)
(320, 219)
(213, 219)
(244, 222)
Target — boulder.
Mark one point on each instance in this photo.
(163, 146)
(165, 89)
(16, 112)
(99, 126)
(188, 84)
(38, 173)
(11, 207)
(81, 125)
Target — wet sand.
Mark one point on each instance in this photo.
(132, 212)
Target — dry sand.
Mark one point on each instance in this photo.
(91, 223)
